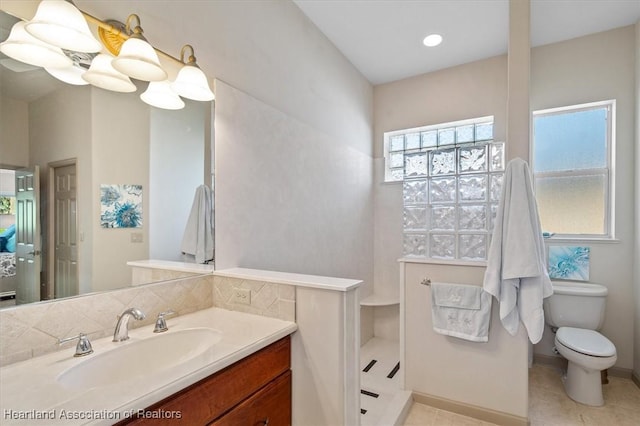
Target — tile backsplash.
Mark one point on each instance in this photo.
(33, 330)
(264, 298)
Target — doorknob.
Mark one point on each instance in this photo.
(35, 253)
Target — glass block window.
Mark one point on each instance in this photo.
(571, 161)
(451, 188)
(412, 149)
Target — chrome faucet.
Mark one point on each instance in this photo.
(122, 327)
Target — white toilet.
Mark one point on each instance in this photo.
(576, 310)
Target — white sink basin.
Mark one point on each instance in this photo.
(134, 359)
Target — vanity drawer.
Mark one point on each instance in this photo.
(271, 405)
(215, 395)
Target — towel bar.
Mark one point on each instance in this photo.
(426, 281)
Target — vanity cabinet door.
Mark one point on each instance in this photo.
(270, 406)
(220, 393)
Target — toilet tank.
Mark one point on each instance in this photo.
(575, 304)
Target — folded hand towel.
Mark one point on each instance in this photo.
(462, 311)
(456, 295)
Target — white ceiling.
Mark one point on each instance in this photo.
(383, 38)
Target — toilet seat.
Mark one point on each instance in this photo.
(588, 342)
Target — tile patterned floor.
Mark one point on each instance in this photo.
(550, 406)
(379, 378)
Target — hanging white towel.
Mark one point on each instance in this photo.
(462, 311)
(516, 273)
(198, 234)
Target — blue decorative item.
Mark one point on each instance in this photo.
(9, 232)
(569, 263)
(121, 206)
(11, 244)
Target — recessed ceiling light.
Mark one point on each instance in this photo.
(432, 40)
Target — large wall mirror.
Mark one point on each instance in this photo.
(64, 146)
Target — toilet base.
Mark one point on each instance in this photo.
(583, 386)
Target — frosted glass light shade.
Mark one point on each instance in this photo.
(139, 60)
(101, 74)
(69, 75)
(61, 24)
(191, 83)
(160, 95)
(23, 47)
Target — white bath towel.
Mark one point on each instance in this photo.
(516, 273)
(198, 234)
(462, 311)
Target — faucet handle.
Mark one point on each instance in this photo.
(161, 323)
(82, 348)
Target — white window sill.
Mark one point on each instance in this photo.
(577, 240)
(479, 263)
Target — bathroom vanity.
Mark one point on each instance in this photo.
(254, 391)
(212, 366)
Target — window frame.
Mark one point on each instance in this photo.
(609, 172)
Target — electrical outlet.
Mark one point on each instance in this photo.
(241, 296)
(136, 237)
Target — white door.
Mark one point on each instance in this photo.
(28, 242)
(65, 231)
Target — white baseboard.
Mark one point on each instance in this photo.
(484, 414)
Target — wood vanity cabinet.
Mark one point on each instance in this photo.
(254, 391)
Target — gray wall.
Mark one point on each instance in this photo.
(289, 197)
(14, 121)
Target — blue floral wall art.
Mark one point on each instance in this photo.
(121, 206)
(569, 263)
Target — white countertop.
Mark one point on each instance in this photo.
(196, 268)
(299, 280)
(30, 387)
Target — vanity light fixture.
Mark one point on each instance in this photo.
(191, 83)
(58, 38)
(432, 40)
(137, 58)
(24, 47)
(60, 23)
(160, 95)
(101, 74)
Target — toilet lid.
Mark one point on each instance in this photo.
(588, 342)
